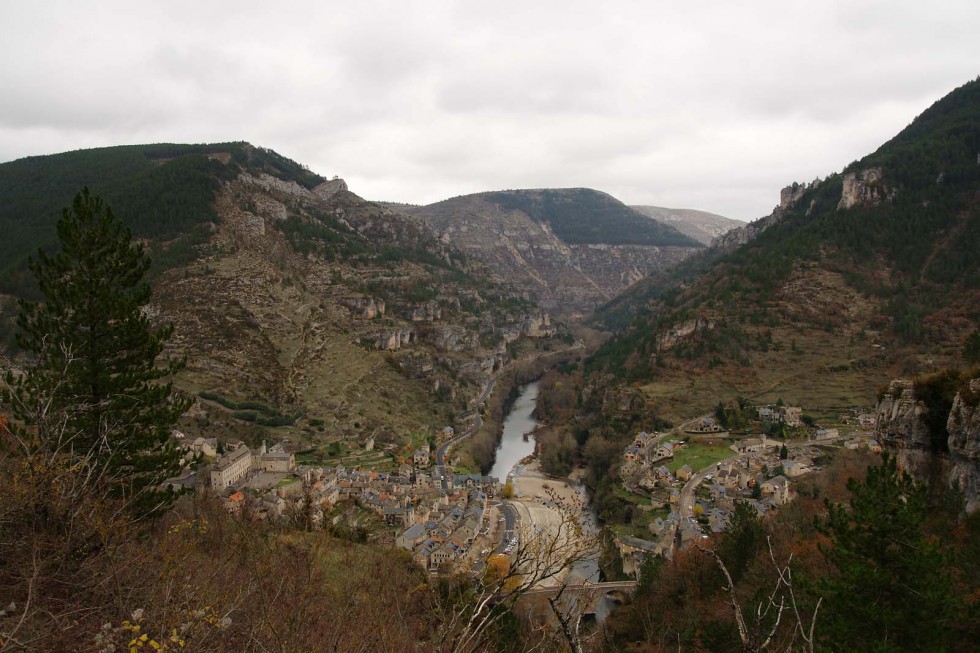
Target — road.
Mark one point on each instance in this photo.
(441, 451)
(687, 492)
(511, 520)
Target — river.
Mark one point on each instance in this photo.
(513, 448)
(518, 421)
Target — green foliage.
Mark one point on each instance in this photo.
(163, 192)
(94, 356)
(262, 159)
(231, 404)
(322, 235)
(650, 572)
(971, 348)
(891, 590)
(744, 540)
(583, 216)
(927, 229)
(735, 415)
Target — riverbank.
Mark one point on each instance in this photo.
(481, 448)
(552, 510)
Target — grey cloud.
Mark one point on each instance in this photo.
(681, 104)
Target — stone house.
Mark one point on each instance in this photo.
(777, 489)
(441, 556)
(867, 421)
(421, 458)
(231, 467)
(684, 473)
(277, 460)
(791, 415)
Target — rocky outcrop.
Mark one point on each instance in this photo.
(422, 311)
(899, 415)
(537, 325)
(270, 183)
(963, 426)
(902, 430)
(964, 422)
(393, 339)
(329, 188)
(451, 338)
(365, 307)
(681, 332)
(788, 198)
(864, 188)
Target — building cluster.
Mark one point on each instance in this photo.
(241, 462)
(788, 415)
(756, 475)
(438, 516)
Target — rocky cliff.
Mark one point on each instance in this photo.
(863, 188)
(342, 318)
(788, 197)
(952, 456)
(700, 225)
(522, 238)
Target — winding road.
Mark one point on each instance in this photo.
(441, 451)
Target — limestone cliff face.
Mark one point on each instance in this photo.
(700, 225)
(863, 188)
(900, 418)
(681, 332)
(902, 431)
(560, 277)
(964, 442)
(788, 197)
(319, 301)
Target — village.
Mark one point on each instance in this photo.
(687, 484)
(445, 520)
(686, 504)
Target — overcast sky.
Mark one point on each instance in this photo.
(705, 105)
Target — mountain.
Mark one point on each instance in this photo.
(569, 249)
(699, 225)
(869, 273)
(298, 305)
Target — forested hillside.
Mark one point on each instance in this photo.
(581, 216)
(884, 251)
(160, 191)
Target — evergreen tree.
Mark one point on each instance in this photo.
(892, 591)
(971, 349)
(745, 537)
(93, 389)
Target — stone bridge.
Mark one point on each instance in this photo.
(585, 598)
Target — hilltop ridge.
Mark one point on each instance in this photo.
(569, 249)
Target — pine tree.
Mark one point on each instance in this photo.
(892, 590)
(93, 390)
